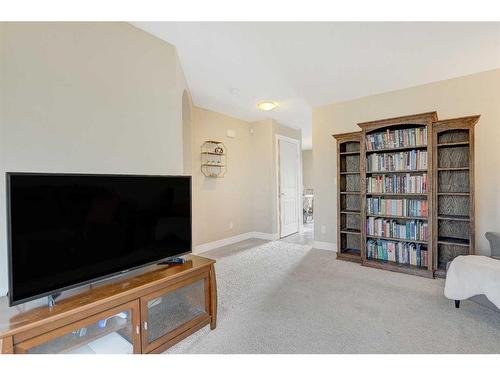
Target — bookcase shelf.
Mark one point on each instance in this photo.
(349, 196)
(441, 154)
(454, 217)
(453, 190)
(395, 239)
(350, 212)
(391, 172)
(350, 231)
(464, 194)
(453, 241)
(398, 217)
(454, 169)
(398, 194)
(397, 149)
(453, 144)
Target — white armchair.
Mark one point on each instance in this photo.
(473, 276)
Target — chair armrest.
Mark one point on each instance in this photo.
(494, 240)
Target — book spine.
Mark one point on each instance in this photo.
(397, 207)
(398, 252)
(397, 138)
(414, 160)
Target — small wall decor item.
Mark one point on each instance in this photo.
(213, 159)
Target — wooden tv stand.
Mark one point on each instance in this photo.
(146, 312)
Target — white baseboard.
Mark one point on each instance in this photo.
(331, 246)
(265, 236)
(230, 240)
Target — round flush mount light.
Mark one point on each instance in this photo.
(267, 105)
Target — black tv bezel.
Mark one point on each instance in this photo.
(8, 175)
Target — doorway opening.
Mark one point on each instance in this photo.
(306, 235)
(289, 186)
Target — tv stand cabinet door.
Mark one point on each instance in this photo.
(113, 331)
(174, 312)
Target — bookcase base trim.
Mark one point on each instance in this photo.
(356, 258)
(440, 274)
(398, 268)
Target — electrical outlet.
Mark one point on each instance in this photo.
(323, 229)
(230, 225)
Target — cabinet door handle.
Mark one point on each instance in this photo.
(145, 326)
(137, 329)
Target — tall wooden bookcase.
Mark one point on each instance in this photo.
(421, 121)
(453, 147)
(348, 196)
(422, 240)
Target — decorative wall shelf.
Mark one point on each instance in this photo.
(213, 159)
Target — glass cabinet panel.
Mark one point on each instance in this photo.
(101, 334)
(168, 311)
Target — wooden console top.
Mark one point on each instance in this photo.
(127, 287)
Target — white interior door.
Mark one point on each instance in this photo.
(288, 187)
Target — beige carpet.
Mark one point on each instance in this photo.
(279, 297)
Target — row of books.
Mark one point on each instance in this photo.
(400, 183)
(416, 230)
(397, 207)
(399, 252)
(397, 138)
(398, 161)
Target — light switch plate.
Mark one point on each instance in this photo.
(231, 133)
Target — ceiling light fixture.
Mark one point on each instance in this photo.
(267, 105)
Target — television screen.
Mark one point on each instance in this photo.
(70, 229)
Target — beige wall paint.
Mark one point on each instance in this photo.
(265, 172)
(87, 97)
(264, 183)
(469, 95)
(247, 194)
(219, 201)
(187, 133)
(307, 169)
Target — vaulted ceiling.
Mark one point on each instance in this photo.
(231, 66)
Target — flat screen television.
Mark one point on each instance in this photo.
(67, 230)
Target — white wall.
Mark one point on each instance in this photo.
(87, 97)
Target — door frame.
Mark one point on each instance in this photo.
(300, 189)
